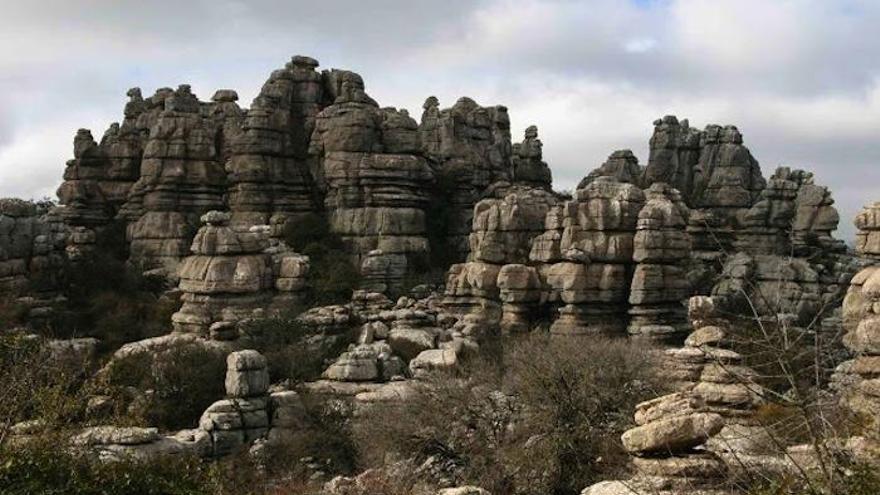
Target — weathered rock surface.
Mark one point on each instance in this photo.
(470, 148)
(856, 380)
(231, 274)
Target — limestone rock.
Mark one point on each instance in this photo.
(230, 274)
(675, 434)
(621, 166)
(528, 167)
(247, 374)
(471, 148)
(868, 236)
(433, 359)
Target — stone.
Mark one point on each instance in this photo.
(433, 359)
(247, 374)
(706, 336)
(621, 166)
(463, 490)
(106, 435)
(611, 488)
(706, 467)
(360, 364)
(410, 342)
(868, 237)
(675, 434)
(528, 167)
(231, 274)
(661, 248)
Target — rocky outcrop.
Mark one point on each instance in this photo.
(604, 253)
(269, 171)
(621, 166)
(181, 178)
(858, 379)
(674, 154)
(661, 250)
(395, 341)
(868, 236)
(726, 179)
(377, 184)
(709, 369)
(591, 277)
(469, 147)
(528, 167)
(772, 284)
(242, 417)
(500, 243)
(667, 451)
(792, 215)
(232, 274)
(32, 250)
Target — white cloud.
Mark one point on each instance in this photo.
(640, 45)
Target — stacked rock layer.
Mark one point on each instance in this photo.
(858, 379)
(231, 274)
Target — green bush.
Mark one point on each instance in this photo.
(293, 352)
(176, 385)
(37, 385)
(545, 418)
(111, 300)
(332, 276)
(12, 313)
(40, 467)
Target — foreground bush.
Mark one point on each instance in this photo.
(174, 386)
(546, 418)
(37, 385)
(43, 468)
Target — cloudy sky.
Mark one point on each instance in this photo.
(801, 78)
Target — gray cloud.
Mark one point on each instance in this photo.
(801, 78)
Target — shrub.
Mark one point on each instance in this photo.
(332, 276)
(547, 418)
(41, 467)
(12, 313)
(37, 385)
(293, 352)
(111, 300)
(176, 385)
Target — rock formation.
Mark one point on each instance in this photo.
(376, 181)
(269, 169)
(181, 179)
(242, 417)
(661, 250)
(858, 379)
(528, 167)
(470, 148)
(32, 251)
(868, 236)
(231, 274)
(396, 341)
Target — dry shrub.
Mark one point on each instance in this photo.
(546, 418)
(172, 387)
(294, 353)
(12, 313)
(332, 276)
(41, 467)
(37, 385)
